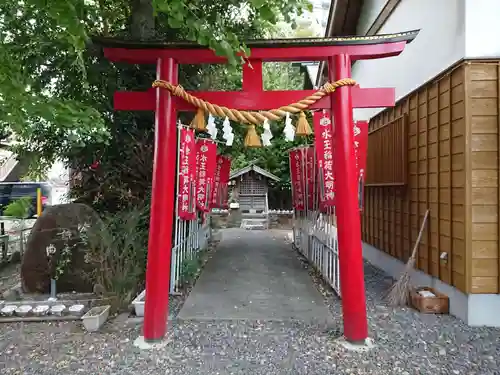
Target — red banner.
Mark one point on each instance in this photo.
(317, 190)
(324, 145)
(186, 208)
(319, 204)
(219, 197)
(296, 167)
(225, 173)
(361, 149)
(309, 157)
(206, 163)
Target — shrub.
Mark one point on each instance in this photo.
(118, 249)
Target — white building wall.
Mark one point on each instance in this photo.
(482, 28)
(369, 13)
(317, 19)
(440, 43)
(58, 179)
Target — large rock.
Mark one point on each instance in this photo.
(59, 229)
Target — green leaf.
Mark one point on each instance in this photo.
(258, 3)
(267, 14)
(175, 23)
(246, 51)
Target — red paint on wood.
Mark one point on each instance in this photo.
(207, 56)
(252, 76)
(162, 208)
(253, 101)
(352, 282)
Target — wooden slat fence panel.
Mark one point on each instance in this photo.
(387, 155)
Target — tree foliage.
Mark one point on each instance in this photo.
(56, 88)
(46, 53)
(276, 76)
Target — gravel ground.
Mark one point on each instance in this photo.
(406, 343)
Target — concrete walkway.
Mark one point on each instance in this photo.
(255, 275)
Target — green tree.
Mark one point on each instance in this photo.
(276, 76)
(46, 52)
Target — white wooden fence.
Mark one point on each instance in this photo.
(315, 236)
(191, 237)
(13, 237)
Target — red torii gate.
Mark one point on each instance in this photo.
(339, 53)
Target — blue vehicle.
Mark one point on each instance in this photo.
(12, 191)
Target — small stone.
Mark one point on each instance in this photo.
(99, 289)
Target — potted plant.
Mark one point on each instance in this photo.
(138, 304)
(95, 318)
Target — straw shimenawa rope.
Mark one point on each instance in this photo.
(252, 117)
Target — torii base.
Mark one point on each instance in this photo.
(142, 344)
(359, 346)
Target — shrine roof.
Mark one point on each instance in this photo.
(406, 36)
(256, 169)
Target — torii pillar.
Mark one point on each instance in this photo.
(352, 282)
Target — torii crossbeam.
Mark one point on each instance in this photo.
(339, 53)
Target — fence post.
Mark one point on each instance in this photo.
(21, 242)
(4, 243)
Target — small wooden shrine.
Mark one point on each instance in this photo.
(249, 188)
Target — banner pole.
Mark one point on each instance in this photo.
(39, 202)
(177, 239)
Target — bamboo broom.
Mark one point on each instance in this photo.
(399, 293)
